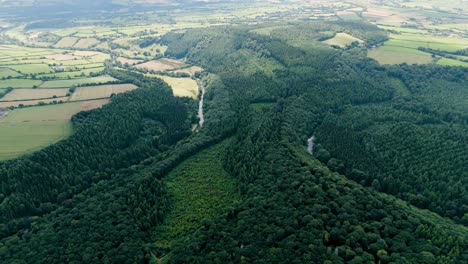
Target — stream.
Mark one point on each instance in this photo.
(310, 145)
(200, 105)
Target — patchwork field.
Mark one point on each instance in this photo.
(29, 129)
(102, 91)
(75, 82)
(182, 87)
(343, 40)
(33, 94)
(161, 65)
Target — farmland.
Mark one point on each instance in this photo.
(75, 82)
(29, 129)
(33, 94)
(397, 55)
(101, 91)
(183, 87)
(161, 65)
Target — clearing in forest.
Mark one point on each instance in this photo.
(29, 129)
(101, 91)
(201, 190)
(181, 87)
(190, 70)
(343, 40)
(161, 65)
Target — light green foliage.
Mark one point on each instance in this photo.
(201, 190)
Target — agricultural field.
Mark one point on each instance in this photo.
(29, 129)
(451, 62)
(182, 87)
(33, 94)
(190, 70)
(130, 62)
(343, 40)
(37, 102)
(161, 65)
(19, 83)
(66, 42)
(86, 43)
(101, 91)
(7, 72)
(31, 68)
(397, 55)
(76, 82)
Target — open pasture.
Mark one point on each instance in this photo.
(398, 55)
(6, 72)
(181, 87)
(85, 43)
(161, 65)
(189, 70)
(343, 40)
(75, 82)
(33, 102)
(33, 94)
(66, 42)
(415, 41)
(101, 91)
(19, 83)
(26, 130)
(452, 62)
(31, 68)
(128, 61)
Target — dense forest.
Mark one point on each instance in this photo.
(386, 148)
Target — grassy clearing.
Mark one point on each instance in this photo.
(202, 190)
(102, 91)
(451, 62)
(343, 40)
(6, 72)
(29, 129)
(19, 83)
(182, 87)
(75, 82)
(398, 55)
(415, 41)
(33, 94)
(161, 65)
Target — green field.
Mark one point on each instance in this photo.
(201, 189)
(68, 83)
(6, 72)
(397, 55)
(19, 83)
(26, 130)
(416, 41)
(452, 62)
(31, 68)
